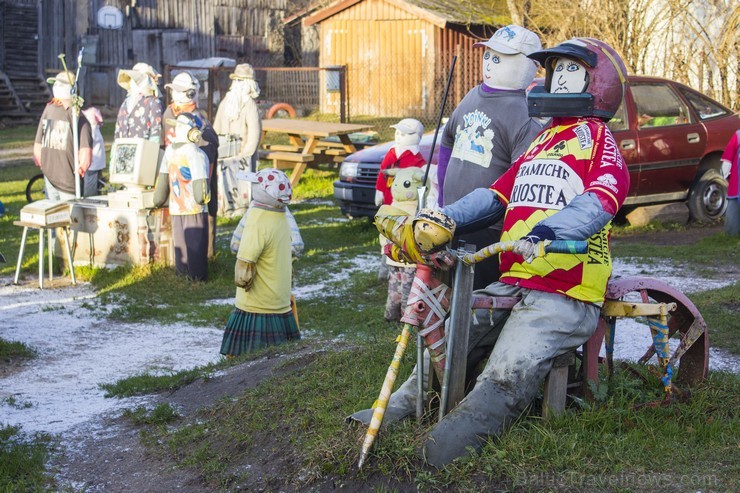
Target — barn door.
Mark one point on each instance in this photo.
(19, 33)
(147, 45)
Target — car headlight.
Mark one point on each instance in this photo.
(348, 171)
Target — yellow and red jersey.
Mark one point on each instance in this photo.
(571, 157)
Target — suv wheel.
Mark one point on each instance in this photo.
(708, 197)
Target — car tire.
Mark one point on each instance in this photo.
(708, 197)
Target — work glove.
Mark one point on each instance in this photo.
(414, 237)
(433, 229)
(244, 274)
(378, 198)
(533, 245)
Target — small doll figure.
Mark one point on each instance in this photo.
(401, 275)
(183, 181)
(404, 154)
(263, 315)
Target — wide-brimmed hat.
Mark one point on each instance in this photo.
(242, 71)
(511, 40)
(62, 77)
(137, 74)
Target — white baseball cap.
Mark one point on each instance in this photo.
(409, 126)
(511, 40)
(184, 81)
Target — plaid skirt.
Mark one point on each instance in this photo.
(247, 332)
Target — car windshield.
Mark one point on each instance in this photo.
(705, 107)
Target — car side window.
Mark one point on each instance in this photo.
(704, 107)
(658, 106)
(619, 120)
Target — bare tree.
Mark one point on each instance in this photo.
(692, 41)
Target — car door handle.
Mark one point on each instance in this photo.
(627, 144)
(693, 138)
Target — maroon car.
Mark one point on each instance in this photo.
(671, 137)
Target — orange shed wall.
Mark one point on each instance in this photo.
(394, 66)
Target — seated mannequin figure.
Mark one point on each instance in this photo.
(576, 164)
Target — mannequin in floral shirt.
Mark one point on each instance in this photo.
(140, 115)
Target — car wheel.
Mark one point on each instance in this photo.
(708, 197)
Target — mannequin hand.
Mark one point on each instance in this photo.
(533, 245)
(244, 274)
(378, 198)
(529, 248)
(726, 165)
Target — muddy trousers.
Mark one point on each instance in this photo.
(522, 345)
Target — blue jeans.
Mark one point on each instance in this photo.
(732, 216)
(54, 194)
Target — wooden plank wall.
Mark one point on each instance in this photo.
(166, 32)
(386, 50)
(467, 68)
(397, 63)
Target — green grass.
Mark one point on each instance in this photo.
(22, 460)
(14, 349)
(291, 416)
(161, 414)
(714, 251)
(147, 383)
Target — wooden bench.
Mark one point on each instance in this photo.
(288, 160)
(282, 148)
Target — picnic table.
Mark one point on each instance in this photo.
(308, 143)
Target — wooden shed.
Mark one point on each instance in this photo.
(398, 52)
(159, 32)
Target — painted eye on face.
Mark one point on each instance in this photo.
(573, 67)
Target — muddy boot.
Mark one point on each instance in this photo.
(481, 414)
(401, 404)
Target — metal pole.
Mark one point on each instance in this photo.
(453, 382)
(439, 119)
(419, 376)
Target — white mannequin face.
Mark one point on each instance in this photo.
(133, 88)
(406, 140)
(60, 90)
(569, 76)
(511, 72)
(180, 97)
(181, 132)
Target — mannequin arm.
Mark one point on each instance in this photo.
(201, 192)
(244, 272)
(162, 190)
(443, 161)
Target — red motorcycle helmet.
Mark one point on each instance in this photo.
(606, 78)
